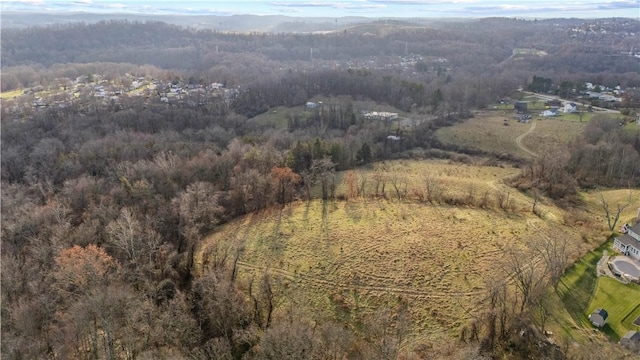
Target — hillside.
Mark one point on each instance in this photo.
(344, 259)
(366, 193)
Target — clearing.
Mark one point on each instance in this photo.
(498, 133)
(350, 257)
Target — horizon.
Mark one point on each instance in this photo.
(542, 9)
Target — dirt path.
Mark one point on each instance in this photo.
(299, 277)
(519, 140)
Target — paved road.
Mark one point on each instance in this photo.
(553, 97)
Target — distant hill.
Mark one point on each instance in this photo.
(236, 23)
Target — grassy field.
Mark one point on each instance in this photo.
(581, 291)
(487, 132)
(497, 132)
(552, 132)
(622, 302)
(10, 94)
(373, 252)
(614, 197)
(574, 294)
(277, 117)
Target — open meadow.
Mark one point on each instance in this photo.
(498, 132)
(345, 258)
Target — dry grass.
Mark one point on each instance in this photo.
(487, 131)
(552, 133)
(371, 252)
(614, 198)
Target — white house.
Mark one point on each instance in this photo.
(629, 242)
(570, 108)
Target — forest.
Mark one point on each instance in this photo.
(103, 206)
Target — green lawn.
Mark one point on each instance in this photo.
(577, 286)
(622, 302)
(575, 117)
(632, 127)
(278, 117)
(581, 292)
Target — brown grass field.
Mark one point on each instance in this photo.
(552, 132)
(487, 131)
(344, 259)
(354, 256)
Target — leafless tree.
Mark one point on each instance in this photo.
(130, 237)
(434, 189)
(324, 169)
(527, 276)
(535, 193)
(380, 180)
(399, 182)
(612, 219)
(503, 199)
(556, 253)
(362, 183)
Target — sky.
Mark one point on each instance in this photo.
(340, 8)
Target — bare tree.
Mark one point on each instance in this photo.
(136, 240)
(434, 189)
(387, 331)
(125, 235)
(612, 219)
(324, 169)
(527, 276)
(555, 252)
(535, 193)
(350, 182)
(362, 182)
(503, 199)
(380, 180)
(399, 182)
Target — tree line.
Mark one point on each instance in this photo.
(472, 47)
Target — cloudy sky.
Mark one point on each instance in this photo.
(339, 8)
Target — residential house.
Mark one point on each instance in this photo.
(570, 108)
(380, 115)
(552, 104)
(629, 242)
(609, 98)
(549, 113)
(631, 340)
(599, 317)
(520, 106)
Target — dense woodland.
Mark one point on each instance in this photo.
(475, 50)
(102, 209)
